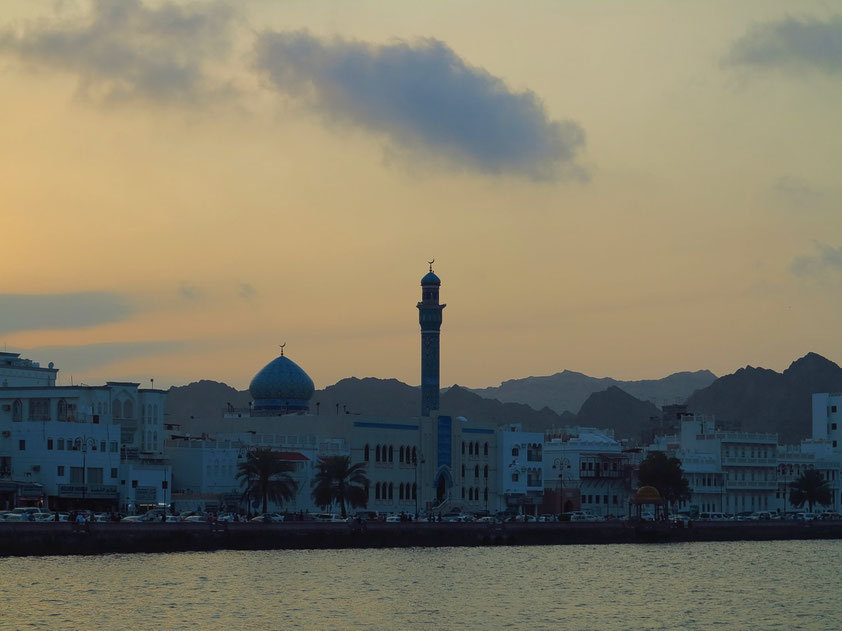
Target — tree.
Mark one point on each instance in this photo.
(666, 475)
(812, 488)
(338, 481)
(266, 477)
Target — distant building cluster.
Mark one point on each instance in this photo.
(110, 448)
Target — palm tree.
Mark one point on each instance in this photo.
(812, 488)
(267, 477)
(337, 480)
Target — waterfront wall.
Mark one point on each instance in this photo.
(20, 539)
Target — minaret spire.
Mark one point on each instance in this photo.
(430, 318)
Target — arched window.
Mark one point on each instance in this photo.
(17, 410)
(414, 456)
(463, 469)
(485, 472)
(476, 471)
(366, 453)
(155, 440)
(470, 494)
(470, 449)
(476, 448)
(391, 490)
(400, 491)
(485, 494)
(463, 447)
(377, 491)
(128, 410)
(414, 491)
(515, 451)
(463, 492)
(117, 408)
(391, 454)
(400, 454)
(377, 453)
(62, 410)
(485, 449)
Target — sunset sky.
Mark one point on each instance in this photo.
(625, 189)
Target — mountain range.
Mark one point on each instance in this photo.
(756, 399)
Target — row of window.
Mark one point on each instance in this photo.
(474, 448)
(596, 499)
(40, 410)
(94, 474)
(386, 491)
(384, 453)
(61, 444)
(476, 471)
(473, 494)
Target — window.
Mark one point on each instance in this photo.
(463, 492)
(17, 410)
(60, 470)
(485, 472)
(62, 410)
(485, 450)
(391, 490)
(50, 444)
(470, 449)
(102, 446)
(400, 489)
(400, 458)
(391, 456)
(377, 491)
(514, 477)
(515, 451)
(833, 409)
(414, 456)
(39, 409)
(76, 475)
(596, 498)
(21, 445)
(113, 472)
(366, 453)
(377, 453)
(94, 475)
(60, 445)
(117, 409)
(128, 410)
(834, 443)
(833, 426)
(463, 469)
(604, 499)
(485, 494)
(112, 446)
(164, 484)
(470, 494)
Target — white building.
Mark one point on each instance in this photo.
(521, 469)
(95, 447)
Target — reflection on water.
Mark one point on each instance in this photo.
(735, 585)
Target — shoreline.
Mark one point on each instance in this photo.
(48, 539)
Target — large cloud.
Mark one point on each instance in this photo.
(29, 312)
(425, 99)
(123, 50)
(791, 44)
(827, 259)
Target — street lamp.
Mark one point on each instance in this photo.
(561, 464)
(83, 442)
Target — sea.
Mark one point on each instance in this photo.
(731, 585)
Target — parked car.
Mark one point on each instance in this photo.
(806, 516)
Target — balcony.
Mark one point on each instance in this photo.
(764, 485)
(750, 462)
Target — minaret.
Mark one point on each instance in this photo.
(429, 316)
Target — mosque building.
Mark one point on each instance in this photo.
(429, 463)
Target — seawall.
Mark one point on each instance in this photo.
(40, 539)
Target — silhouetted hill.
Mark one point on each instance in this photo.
(618, 410)
(458, 401)
(376, 397)
(202, 399)
(763, 400)
(568, 390)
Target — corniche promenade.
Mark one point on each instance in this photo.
(41, 539)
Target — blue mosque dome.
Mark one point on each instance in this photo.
(282, 386)
(430, 279)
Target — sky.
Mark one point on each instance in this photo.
(621, 189)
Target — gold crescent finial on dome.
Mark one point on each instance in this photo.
(282, 348)
(430, 263)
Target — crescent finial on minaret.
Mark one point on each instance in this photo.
(282, 348)
(430, 263)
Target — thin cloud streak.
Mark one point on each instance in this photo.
(791, 44)
(87, 357)
(30, 312)
(426, 100)
(124, 51)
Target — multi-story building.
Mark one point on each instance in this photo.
(95, 447)
(586, 468)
